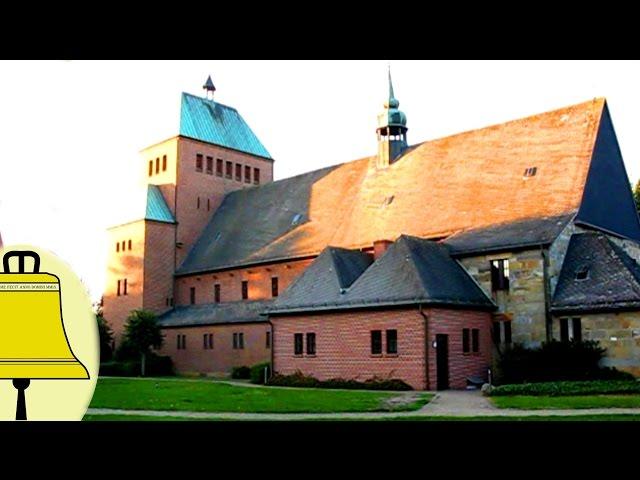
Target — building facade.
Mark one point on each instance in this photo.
(412, 263)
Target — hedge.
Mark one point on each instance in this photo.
(298, 379)
(555, 389)
(155, 366)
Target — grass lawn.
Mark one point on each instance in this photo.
(211, 396)
(579, 401)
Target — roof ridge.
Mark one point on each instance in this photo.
(211, 101)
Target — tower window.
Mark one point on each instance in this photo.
(124, 289)
(192, 295)
(122, 246)
(238, 172)
(164, 163)
(530, 172)
(157, 164)
(256, 176)
(216, 293)
(228, 169)
(129, 244)
(117, 246)
(274, 286)
(150, 167)
(210, 165)
(219, 167)
(118, 287)
(198, 162)
(500, 275)
(198, 203)
(208, 204)
(245, 289)
(247, 174)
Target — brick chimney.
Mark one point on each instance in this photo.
(379, 247)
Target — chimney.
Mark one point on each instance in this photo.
(379, 247)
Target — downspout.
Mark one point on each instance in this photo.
(272, 343)
(547, 295)
(426, 344)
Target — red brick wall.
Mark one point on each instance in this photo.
(223, 357)
(343, 345)
(461, 365)
(192, 184)
(230, 281)
(124, 264)
(158, 265)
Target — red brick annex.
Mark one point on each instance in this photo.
(415, 263)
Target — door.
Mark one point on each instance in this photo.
(442, 361)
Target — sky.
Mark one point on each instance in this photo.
(71, 131)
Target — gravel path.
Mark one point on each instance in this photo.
(445, 404)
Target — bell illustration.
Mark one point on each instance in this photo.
(33, 343)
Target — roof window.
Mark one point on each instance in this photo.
(296, 219)
(388, 200)
(530, 172)
(582, 273)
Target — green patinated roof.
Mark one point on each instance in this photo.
(213, 122)
(392, 116)
(157, 208)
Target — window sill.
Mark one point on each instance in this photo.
(391, 355)
(471, 354)
(376, 355)
(298, 355)
(310, 355)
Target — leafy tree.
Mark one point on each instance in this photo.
(141, 333)
(106, 339)
(636, 195)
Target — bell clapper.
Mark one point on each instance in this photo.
(21, 385)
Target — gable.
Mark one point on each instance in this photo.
(607, 202)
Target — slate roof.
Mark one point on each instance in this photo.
(157, 208)
(438, 188)
(213, 122)
(613, 281)
(411, 271)
(215, 314)
(511, 235)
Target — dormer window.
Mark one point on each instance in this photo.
(388, 200)
(530, 172)
(582, 273)
(296, 219)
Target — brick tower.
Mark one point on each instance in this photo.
(187, 177)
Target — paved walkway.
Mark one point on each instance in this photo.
(444, 404)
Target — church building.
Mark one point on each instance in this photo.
(413, 263)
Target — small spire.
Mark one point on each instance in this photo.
(392, 102)
(209, 87)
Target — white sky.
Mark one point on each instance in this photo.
(70, 131)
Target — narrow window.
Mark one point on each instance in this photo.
(235, 340)
(392, 341)
(376, 342)
(179, 342)
(192, 293)
(500, 275)
(311, 343)
(211, 341)
(297, 344)
(205, 341)
(475, 340)
(465, 340)
(228, 169)
(507, 332)
(184, 342)
(268, 340)
(256, 176)
(210, 165)
(150, 167)
(577, 329)
(124, 288)
(564, 329)
(118, 247)
(238, 172)
(198, 204)
(118, 287)
(247, 174)
(274, 286)
(157, 164)
(216, 293)
(245, 289)
(129, 244)
(241, 340)
(198, 162)
(219, 167)
(496, 332)
(122, 245)
(208, 204)
(164, 163)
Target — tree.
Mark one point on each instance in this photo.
(106, 338)
(636, 195)
(141, 333)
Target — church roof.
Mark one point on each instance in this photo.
(157, 208)
(596, 275)
(411, 271)
(458, 187)
(213, 122)
(215, 314)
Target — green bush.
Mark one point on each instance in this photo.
(257, 373)
(554, 361)
(242, 372)
(298, 379)
(157, 366)
(596, 387)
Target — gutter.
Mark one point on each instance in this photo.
(547, 295)
(426, 344)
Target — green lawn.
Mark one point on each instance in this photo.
(530, 402)
(211, 396)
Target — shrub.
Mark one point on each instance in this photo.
(595, 387)
(553, 361)
(257, 373)
(157, 366)
(298, 379)
(242, 372)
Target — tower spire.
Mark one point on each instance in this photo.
(209, 88)
(392, 130)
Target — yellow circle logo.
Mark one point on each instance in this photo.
(49, 345)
